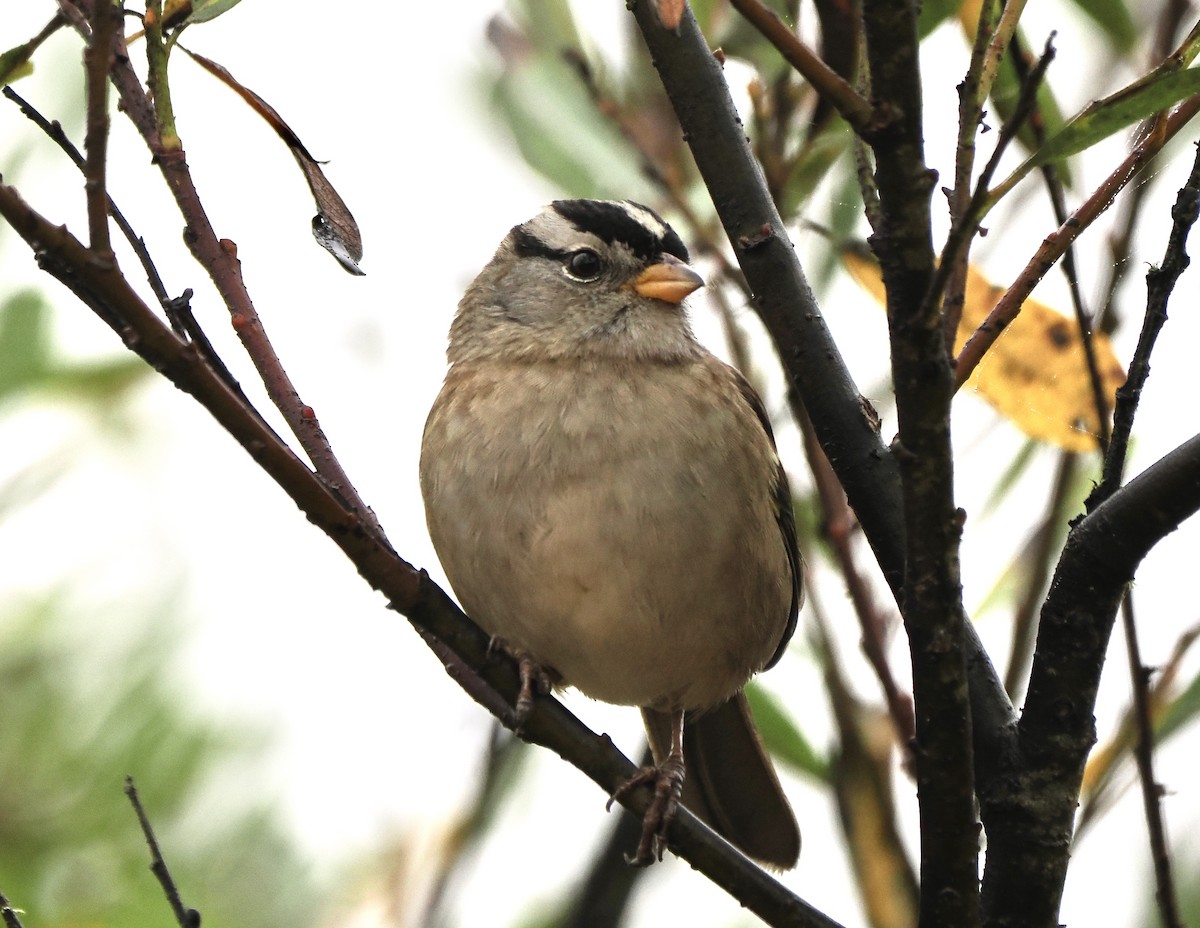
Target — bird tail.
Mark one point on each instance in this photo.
(730, 783)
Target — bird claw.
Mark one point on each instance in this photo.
(667, 781)
(535, 679)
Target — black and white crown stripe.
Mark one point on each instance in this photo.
(554, 233)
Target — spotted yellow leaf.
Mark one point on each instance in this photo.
(1035, 374)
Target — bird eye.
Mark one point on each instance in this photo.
(584, 264)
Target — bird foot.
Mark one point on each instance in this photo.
(667, 781)
(535, 679)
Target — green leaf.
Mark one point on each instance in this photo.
(783, 738)
(935, 12)
(812, 165)
(24, 342)
(561, 135)
(548, 24)
(1005, 93)
(28, 360)
(1112, 114)
(1182, 710)
(205, 10)
(1010, 476)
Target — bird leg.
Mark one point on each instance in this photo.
(535, 678)
(667, 780)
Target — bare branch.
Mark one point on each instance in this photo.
(932, 608)
(8, 913)
(1143, 752)
(830, 85)
(104, 21)
(1160, 283)
(184, 917)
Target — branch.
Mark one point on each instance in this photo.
(1143, 753)
(1160, 283)
(1029, 812)
(829, 85)
(923, 380)
(967, 210)
(218, 257)
(695, 84)
(837, 525)
(8, 914)
(104, 24)
(408, 590)
(185, 917)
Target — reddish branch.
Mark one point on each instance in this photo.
(1009, 305)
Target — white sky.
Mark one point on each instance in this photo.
(373, 740)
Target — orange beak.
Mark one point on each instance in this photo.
(670, 280)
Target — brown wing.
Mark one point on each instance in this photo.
(785, 516)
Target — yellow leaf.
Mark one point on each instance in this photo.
(1036, 373)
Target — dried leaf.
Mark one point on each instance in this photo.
(333, 226)
(1036, 374)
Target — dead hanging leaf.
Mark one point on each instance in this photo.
(1036, 373)
(333, 226)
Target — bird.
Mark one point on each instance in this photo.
(606, 499)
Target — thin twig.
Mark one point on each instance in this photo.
(829, 85)
(8, 913)
(219, 258)
(14, 58)
(1040, 555)
(98, 59)
(1009, 305)
(1160, 283)
(951, 272)
(837, 521)
(185, 917)
(1101, 794)
(177, 309)
(1083, 319)
(971, 95)
(1006, 28)
(1120, 240)
(1143, 752)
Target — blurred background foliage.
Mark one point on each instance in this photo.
(81, 706)
(86, 699)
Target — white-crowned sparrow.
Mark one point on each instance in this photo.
(605, 497)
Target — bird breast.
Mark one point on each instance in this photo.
(624, 538)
